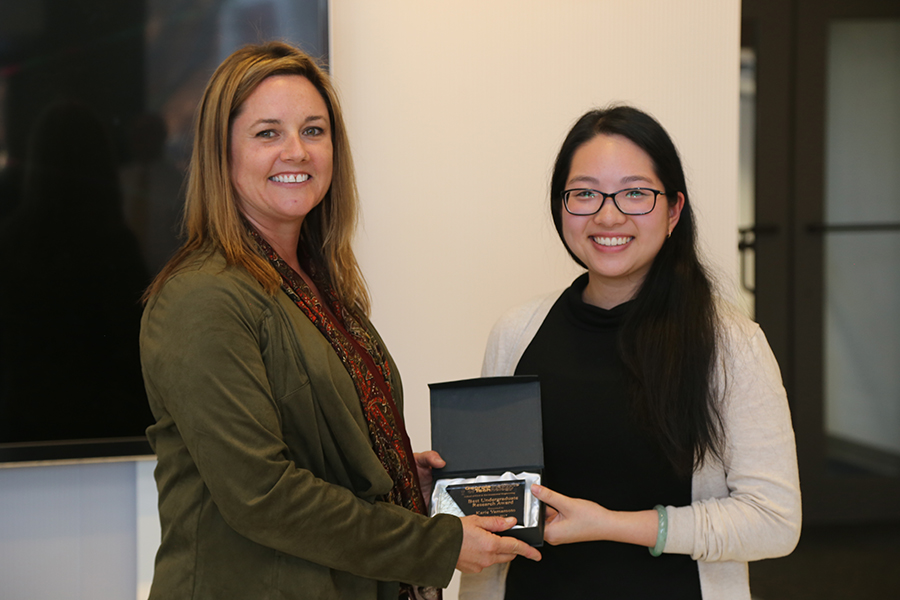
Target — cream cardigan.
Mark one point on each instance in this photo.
(746, 507)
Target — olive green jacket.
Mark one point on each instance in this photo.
(267, 480)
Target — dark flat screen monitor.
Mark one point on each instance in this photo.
(97, 102)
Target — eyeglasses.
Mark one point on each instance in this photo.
(631, 201)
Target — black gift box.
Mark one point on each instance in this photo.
(488, 426)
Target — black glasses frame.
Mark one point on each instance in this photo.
(565, 199)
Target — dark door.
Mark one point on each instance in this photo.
(827, 243)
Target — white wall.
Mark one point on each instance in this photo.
(68, 532)
(456, 110)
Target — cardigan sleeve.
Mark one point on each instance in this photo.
(511, 334)
(746, 507)
(201, 350)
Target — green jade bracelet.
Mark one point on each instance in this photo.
(662, 531)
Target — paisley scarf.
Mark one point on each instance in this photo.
(368, 367)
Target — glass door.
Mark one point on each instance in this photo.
(826, 240)
(861, 245)
(846, 257)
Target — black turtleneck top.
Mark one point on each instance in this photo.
(593, 449)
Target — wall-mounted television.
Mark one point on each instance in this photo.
(97, 101)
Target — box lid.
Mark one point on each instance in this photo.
(487, 424)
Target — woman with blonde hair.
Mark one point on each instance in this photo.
(284, 467)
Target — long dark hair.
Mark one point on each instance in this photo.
(668, 340)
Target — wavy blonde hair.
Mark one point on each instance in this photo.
(211, 216)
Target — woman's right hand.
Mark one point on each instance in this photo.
(481, 548)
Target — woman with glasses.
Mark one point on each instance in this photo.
(666, 425)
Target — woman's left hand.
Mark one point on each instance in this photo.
(572, 520)
(568, 519)
(425, 461)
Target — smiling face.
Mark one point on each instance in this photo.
(281, 154)
(617, 249)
